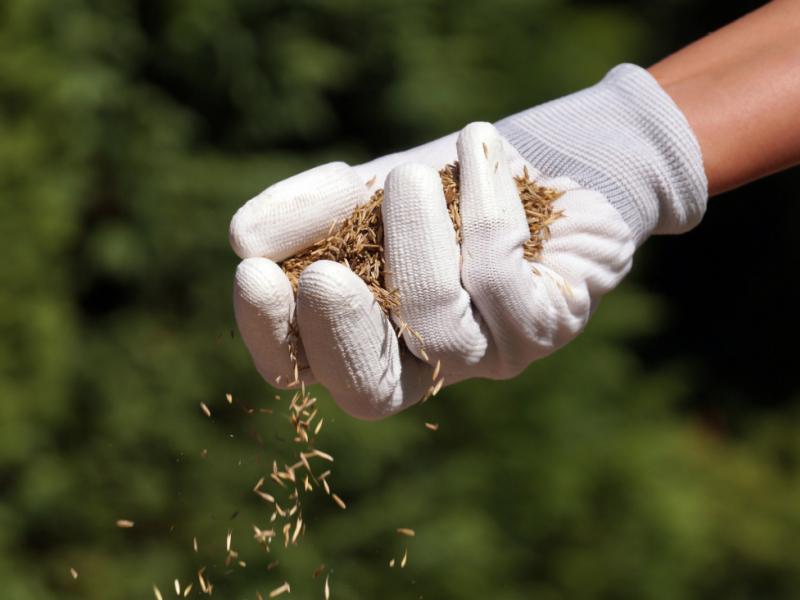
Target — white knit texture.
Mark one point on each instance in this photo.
(626, 138)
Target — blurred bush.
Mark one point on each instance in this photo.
(129, 133)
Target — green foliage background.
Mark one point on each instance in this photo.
(131, 130)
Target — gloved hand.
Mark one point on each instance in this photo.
(622, 154)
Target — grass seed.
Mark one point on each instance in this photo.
(284, 589)
(357, 241)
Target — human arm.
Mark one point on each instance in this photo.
(739, 88)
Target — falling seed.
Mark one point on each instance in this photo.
(432, 426)
(485, 150)
(427, 395)
(321, 454)
(406, 531)
(286, 533)
(188, 590)
(284, 589)
(327, 587)
(296, 533)
(437, 387)
(177, 587)
(194, 544)
(229, 398)
(304, 460)
(228, 540)
(157, 592)
(259, 596)
(436, 370)
(403, 327)
(124, 523)
(232, 554)
(339, 501)
(262, 536)
(404, 559)
(204, 586)
(73, 572)
(391, 564)
(265, 496)
(205, 409)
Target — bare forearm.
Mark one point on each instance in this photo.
(739, 88)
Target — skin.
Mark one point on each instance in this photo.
(739, 88)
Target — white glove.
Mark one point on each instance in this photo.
(481, 310)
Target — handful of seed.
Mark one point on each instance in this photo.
(357, 242)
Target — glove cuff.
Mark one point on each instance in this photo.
(626, 138)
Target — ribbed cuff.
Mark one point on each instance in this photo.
(626, 138)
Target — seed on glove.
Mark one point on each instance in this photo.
(358, 241)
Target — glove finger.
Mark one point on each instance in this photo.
(423, 263)
(352, 347)
(294, 213)
(524, 309)
(264, 304)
